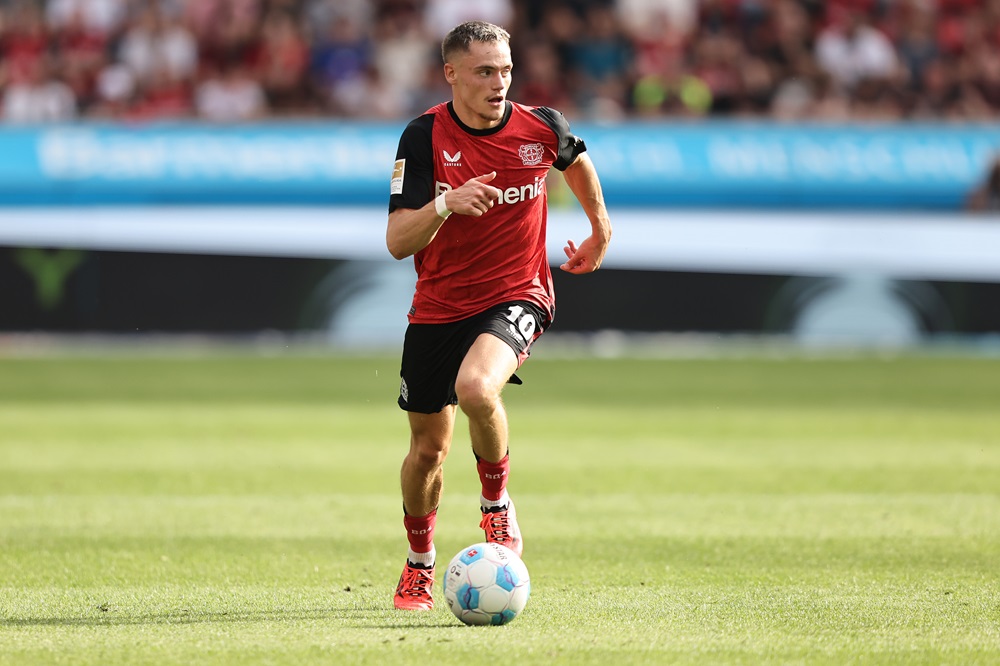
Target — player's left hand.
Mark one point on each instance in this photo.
(586, 258)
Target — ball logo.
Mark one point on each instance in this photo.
(472, 552)
(531, 153)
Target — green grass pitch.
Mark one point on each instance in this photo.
(230, 508)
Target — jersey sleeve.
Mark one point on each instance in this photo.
(569, 145)
(413, 172)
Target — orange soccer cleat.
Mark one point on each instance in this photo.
(414, 589)
(500, 525)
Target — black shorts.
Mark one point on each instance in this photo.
(433, 353)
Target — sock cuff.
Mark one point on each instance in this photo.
(493, 476)
(503, 462)
(423, 559)
(502, 501)
(420, 531)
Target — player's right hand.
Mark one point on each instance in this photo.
(475, 197)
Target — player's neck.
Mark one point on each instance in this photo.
(476, 124)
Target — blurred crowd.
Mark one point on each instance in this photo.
(239, 60)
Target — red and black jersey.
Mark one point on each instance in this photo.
(474, 263)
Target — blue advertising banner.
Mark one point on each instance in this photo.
(187, 164)
(745, 164)
(699, 164)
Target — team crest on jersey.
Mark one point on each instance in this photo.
(452, 160)
(531, 153)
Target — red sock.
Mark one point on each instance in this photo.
(493, 477)
(420, 531)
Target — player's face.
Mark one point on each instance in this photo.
(479, 81)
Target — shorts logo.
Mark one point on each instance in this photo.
(452, 160)
(531, 153)
(404, 391)
(396, 185)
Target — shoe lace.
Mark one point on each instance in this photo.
(496, 525)
(416, 582)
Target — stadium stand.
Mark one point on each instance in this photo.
(233, 60)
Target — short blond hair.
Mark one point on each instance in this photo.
(461, 37)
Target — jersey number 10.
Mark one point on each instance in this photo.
(525, 321)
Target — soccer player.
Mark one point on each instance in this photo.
(468, 202)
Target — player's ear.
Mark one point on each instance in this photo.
(449, 73)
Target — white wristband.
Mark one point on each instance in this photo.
(441, 206)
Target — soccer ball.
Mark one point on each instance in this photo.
(486, 583)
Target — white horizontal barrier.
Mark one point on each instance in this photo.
(910, 246)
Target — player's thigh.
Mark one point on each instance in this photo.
(432, 433)
(487, 366)
(504, 335)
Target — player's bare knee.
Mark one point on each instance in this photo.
(476, 395)
(428, 458)
(427, 453)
